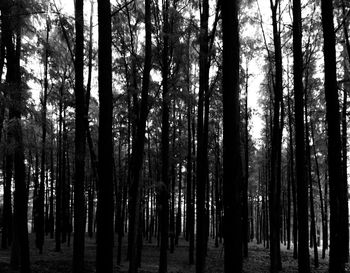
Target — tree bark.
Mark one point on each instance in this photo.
(105, 202)
(303, 249)
(201, 179)
(275, 179)
(338, 253)
(138, 152)
(246, 168)
(80, 140)
(40, 228)
(164, 190)
(189, 164)
(20, 244)
(231, 149)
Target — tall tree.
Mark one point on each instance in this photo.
(80, 140)
(105, 206)
(276, 136)
(189, 163)
(337, 187)
(232, 178)
(40, 228)
(202, 138)
(138, 152)
(164, 190)
(302, 187)
(12, 36)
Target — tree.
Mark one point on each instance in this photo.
(164, 188)
(276, 139)
(202, 138)
(41, 230)
(105, 203)
(189, 163)
(11, 36)
(303, 249)
(138, 153)
(232, 178)
(337, 187)
(80, 140)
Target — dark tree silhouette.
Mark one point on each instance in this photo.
(80, 140)
(12, 32)
(231, 150)
(41, 198)
(276, 138)
(337, 187)
(303, 249)
(164, 188)
(202, 140)
(105, 203)
(137, 156)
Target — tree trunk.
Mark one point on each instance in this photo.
(164, 190)
(338, 254)
(8, 157)
(246, 169)
(231, 149)
(189, 165)
(326, 198)
(40, 228)
(6, 238)
(303, 249)
(58, 192)
(51, 198)
(201, 180)
(20, 244)
(275, 179)
(179, 200)
(313, 239)
(80, 140)
(344, 128)
(322, 206)
(173, 182)
(64, 181)
(137, 155)
(105, 203)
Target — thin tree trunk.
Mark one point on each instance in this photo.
(326, 198)
(138, 153)
(303, 249)
(179, 200)
(246, 170)
(6, 238)
(58, 191)
(275, 179)
(40, 228)
(313, 240)
(64, 180)
(189, 166)
(51, 213)
(201, 179)
(80, 140)
(344, 129)
(173, 182)
(164, 191)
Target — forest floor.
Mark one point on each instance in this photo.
(56, 262)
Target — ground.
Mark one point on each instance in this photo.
(54, 262)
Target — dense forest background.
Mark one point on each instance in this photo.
(174, 136)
